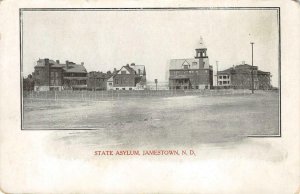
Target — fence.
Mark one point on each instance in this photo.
(85, 95)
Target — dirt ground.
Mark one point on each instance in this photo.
(184, 120)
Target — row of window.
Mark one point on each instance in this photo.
(223, 76)
(186, 87)
(223, 82)
(74, 74)
(123, 80)
(182, 81)
(187, 72)
(56, 74)
(123, 89)
(75, 82)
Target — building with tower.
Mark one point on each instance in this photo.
(191, 73)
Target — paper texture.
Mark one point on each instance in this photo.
(179, 118)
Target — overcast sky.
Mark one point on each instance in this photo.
(104, 40)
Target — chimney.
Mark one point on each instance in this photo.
(132, 64)
(82, 63)
(47, 68)
(67, 64)
(115, 70)
(46, 61)
(127, 65)
(57, 61)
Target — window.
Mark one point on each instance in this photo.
(197, 87)
(117, 88)
(130, 88)
(117, 81)
(220, 77)
(186, 67)
(123, 72)
(110, 84)
(123, 88)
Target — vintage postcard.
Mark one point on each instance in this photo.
(149, 97)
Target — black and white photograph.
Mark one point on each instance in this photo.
(132, 97)
(166, 76)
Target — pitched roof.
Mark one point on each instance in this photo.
(41, 63)
(262, 72)
(73, 68)
(192, 62)
(136, 68)
(201, 44)
(226, 71)
(244, 68)
(128, 68)
(98, 74)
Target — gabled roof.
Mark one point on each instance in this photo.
(136, 68)
(129, 69)
(176, 64)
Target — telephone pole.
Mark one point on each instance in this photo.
(252, 85)
(217, 73)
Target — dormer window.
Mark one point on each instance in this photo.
(185, 67)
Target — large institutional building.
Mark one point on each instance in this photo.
(52, 75)
(191, 73)
(188, 73)
(240, 77)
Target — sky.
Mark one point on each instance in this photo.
(105, 40)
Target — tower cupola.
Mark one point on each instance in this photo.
(201, 50)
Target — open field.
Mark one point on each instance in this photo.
(182, 120)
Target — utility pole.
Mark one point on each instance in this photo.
(217, 73)
(252, 69)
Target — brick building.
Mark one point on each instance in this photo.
(191, 73)
(129, 77)
(240, 77)
(52, 75)
(98, 80)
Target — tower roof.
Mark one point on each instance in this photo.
(201, 43)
